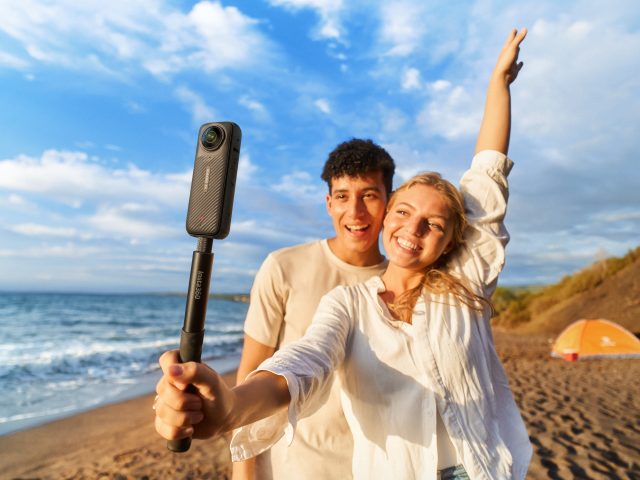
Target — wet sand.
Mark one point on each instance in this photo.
(583, 419)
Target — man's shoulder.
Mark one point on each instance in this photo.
(309, 251)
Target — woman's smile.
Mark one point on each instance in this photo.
(417, 227)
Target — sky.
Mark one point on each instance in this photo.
(100, 105)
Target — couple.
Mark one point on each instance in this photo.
(408, 342)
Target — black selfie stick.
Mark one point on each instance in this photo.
(208, 217)
(195, 312)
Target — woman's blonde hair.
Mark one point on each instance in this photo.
(436, 277)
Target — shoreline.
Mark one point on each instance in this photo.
(581, 419)
(92, 443)
(143, 386)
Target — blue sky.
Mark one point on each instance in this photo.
(100, 104)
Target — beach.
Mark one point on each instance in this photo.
(583, 419)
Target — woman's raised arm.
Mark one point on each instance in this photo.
(496, 121)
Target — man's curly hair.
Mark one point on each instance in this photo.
(357, 157)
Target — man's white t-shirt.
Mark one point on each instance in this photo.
(284, 298)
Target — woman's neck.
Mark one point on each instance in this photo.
(398, 280)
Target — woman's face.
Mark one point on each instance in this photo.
(418, 227)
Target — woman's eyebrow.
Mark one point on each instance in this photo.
(430, 215)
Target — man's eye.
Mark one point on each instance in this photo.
(340, 196)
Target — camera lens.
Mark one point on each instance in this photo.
(212, 137)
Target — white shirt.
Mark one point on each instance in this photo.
(284, 298)
(395, 376)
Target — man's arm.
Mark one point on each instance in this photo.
(496, 121)
(253, 354)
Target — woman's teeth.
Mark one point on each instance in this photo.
(407, 244)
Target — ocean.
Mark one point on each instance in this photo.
(61, 354)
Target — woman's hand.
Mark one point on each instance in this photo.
(507, 67)
(180, 414)
(495, 129)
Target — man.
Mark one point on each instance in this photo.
(287, 290)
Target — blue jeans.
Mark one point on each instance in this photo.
(453, 473)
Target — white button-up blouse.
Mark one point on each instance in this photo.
(396, 376)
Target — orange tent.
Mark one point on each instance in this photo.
(595, 339)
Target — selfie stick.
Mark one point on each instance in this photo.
(192, 333)
(208, 217)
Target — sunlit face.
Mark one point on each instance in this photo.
(357, 207)
(418, 228)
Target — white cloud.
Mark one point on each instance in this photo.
(402, 27)
(196, 105)
(411, 79)
(32, 229)
(246, 169)
(569, 69)
(454, 113)
(329, 11)
(67, 176)
(118, 37)
(440, 85)
(12, 61)
(135, 107)
(68, 250)
(16, 200)
(118, 221)
(300, 184)
(620, 216)
(322, 104)
(258, 109)
(393, 120)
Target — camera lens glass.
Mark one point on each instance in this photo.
(212, 137)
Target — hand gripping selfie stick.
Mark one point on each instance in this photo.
(208, 217)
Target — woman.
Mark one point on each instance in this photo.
(423, 390)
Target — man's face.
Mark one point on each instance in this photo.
(357, 206)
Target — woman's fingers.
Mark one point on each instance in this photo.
(175, 397)
(171, 432)
(177, 418)
(206, 380)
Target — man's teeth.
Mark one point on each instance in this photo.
(407, 244)
(357, 228)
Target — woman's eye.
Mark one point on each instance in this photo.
(437, 227)
(401, 212)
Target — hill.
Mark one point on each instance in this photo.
(607, 289)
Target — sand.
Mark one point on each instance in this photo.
(583, 419)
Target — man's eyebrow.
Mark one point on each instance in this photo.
(372, 188)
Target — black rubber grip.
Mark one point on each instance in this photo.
(191, 346)
(190, 351)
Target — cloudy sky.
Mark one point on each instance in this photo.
(100, 104)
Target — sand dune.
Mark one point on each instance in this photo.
(583, 420)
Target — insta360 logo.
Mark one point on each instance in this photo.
(198, 291)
